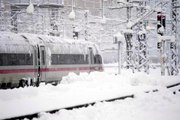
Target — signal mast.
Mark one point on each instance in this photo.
(168, 44)
(173, 44)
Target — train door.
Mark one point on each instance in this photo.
(91, 58)
(42, 63)
(36, 65)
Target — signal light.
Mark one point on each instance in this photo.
(161, 23)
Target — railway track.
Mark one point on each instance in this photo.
(174, 88)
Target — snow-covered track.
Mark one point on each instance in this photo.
(173, 85)
(174, 88)
(35, 115)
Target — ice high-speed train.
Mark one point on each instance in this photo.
(27, 60)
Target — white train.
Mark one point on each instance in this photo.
(27, 60)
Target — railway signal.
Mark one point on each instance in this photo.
(161, 23)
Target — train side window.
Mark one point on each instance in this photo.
(28, 59)
(1, 60)
(4, 59)
(60, 59)
(54, 59)
(69, 59)
(76, 59)
(11, 59)
(21, 60)
(43, 57)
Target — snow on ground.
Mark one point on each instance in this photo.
(153, 106)
(97, 86)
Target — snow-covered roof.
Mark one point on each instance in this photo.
(14, 42)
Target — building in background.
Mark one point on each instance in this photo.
(49, 17)
(95, 20)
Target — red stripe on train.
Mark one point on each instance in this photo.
(7, 71)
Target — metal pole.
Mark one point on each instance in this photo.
(128, 12)
(102, 7)
(119, 57)
(129, 51)
(86, 22)
(163, 57)
(174, 51)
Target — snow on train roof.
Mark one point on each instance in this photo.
(23, 42)
(14, 43)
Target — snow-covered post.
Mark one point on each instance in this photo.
(30, 11)
(2, 16)
(86, 24)
(128, 11)
(161, 47)
(166, 61)
(174, 57)
(173, 47)
(119, 39)
(102, 8)
(72, 17)
(161, 18)
(142, 50)
(128, 34)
